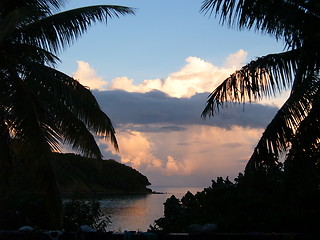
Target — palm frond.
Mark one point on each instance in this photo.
(34, 142)
(28, 53)
(47, 4)
(59, 119)
(27, 116)
(74, 97)
(41, 107)
(282, 129)
(303, 160)
(263, 77)
(9, 5)
(277, 17)
(11, 20)
(60, 30)
(75, 133)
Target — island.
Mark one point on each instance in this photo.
(86, 176)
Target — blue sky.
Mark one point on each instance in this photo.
(155, 41)
(152, 73)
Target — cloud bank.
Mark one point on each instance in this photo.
(197, 76)
(176, 113)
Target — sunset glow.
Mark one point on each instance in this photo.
(193, 151)
(152, 75)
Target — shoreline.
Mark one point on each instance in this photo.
(70, 195)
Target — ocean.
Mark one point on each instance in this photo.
(138, 212)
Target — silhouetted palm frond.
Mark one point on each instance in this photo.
(284, 19)
(42, 108)
(263, 77)
(57, 31)
(296, 69)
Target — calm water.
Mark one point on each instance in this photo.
(137, 212)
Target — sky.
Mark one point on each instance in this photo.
(152, 73)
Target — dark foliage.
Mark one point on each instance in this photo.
(23, 209)
(79, 212)
(261, 202)
(77, 177)
(81, 175)
(42, 108)
(29, 210)
(296, 69)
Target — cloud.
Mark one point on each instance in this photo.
(210, 152)
(136, 151)
(235, 60)
(165, 139)
(159, 126)
(87, 76)
(173, 167)
(197, 76)
(138, 111)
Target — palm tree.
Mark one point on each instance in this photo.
(41, 107)
(296, 69)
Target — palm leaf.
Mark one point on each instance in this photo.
(29, 53)
(303, 157)
(277, 17)
(35, 143)
(9, 5)
(57, 31)
(282, 129)
(41, 107)
(63, 122)
(263, 77)
(76, 99)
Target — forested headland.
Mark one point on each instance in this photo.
(82, 176)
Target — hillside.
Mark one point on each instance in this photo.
(83, 175)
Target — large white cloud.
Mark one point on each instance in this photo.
(235, 60)
(87, 76)
(197, 76)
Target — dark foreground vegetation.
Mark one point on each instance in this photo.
(270, 196)
(260, 202)
(42, 108)
(77, 177)
(29, 210)
(155, 236)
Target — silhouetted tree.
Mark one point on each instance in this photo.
(297, 68)
(255, 202)
(41, 107)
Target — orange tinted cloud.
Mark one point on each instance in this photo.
(87, 76)
(200, 150)
(197, 76)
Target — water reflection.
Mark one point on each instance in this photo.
(137, 212)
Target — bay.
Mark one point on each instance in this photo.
(138, 212)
